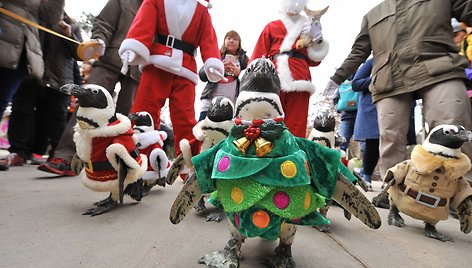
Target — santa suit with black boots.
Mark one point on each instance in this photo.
(150, 143)
(107, 148)
(163, 39)
(278, 42)
(432, 181)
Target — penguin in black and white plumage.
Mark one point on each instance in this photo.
(214, 128)
(427, 185)
(323, 131)
(216, 125)
(150, 143)
(106, 145)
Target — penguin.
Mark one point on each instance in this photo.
(323, 131)
(261, 169)
(427, 185)
(150, 143)
(106, 145)
(214, 128)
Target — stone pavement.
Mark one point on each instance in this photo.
(41, 226)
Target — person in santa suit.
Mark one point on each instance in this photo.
(163, 39)
(277, 42)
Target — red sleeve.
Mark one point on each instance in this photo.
(144, 25)
(263, 45)
(208, 42)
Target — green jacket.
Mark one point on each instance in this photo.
(412, 45)
(289, 184)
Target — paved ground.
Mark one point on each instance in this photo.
(41, 226)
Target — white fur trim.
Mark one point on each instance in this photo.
(83, 138)
(317, 52)
(294, 26)
(179, 14)
(148, 138)
(163, 136)
(142, 52)
(150, 176)
(173, 65)
(293, 6)
(198, 132)
(286, 79)
(217, 64)
(186, 152)
(163, 161)
(119, 150)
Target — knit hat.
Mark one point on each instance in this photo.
(456, 26)
(293, 6)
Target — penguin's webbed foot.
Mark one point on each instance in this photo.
(103, 207)
(431, 232)
(215, 216)
(381, 201)
(226, 258)
(200, 205)
(394, 217)
(282, 258)
(103, 202)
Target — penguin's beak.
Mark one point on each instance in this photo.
(133, 117)
(72, 89)
(464, 135)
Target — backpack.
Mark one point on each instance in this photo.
(347, 98)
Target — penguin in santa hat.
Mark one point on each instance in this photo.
(106, 145)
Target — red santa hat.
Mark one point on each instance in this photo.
(206, 3)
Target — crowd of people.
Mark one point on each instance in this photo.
(408, 62)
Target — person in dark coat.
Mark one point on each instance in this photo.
(366, 128)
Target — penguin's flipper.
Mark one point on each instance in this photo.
(175, 169)
(351, 199)
(122, 172)
(361, 182)
(188, 196)
(464, 212)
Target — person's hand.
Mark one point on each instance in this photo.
(126, 58)
(93, 48)
(313, 30)
(231, 69)
(330, 89)
(66, 28)
(214, 70)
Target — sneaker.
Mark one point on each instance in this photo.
(57, 166)
(37, 159)
(13, 160)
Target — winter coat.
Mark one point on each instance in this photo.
(433, 175)
(59, 57)
(210, 86)
(366, 126)
(412, 44)
(16, 36)
(111, 26)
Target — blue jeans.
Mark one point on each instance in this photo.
(346, 130)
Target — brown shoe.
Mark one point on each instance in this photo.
(13, 160)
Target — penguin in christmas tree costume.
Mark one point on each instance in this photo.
(107, 148)
(268, 181)
(211, 130)
(427, 185)
(150, 143)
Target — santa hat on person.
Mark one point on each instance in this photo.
(206, 3)
(293, 6)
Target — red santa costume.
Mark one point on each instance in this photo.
(277, 42)
(150, 144)
(98, 149)
(164, 36)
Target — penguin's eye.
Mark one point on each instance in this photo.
(248, 70)
(94, 91)
(450, 129)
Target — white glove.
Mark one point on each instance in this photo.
(127, 57)
(330, 89)
(313, 30)
(214, 70)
